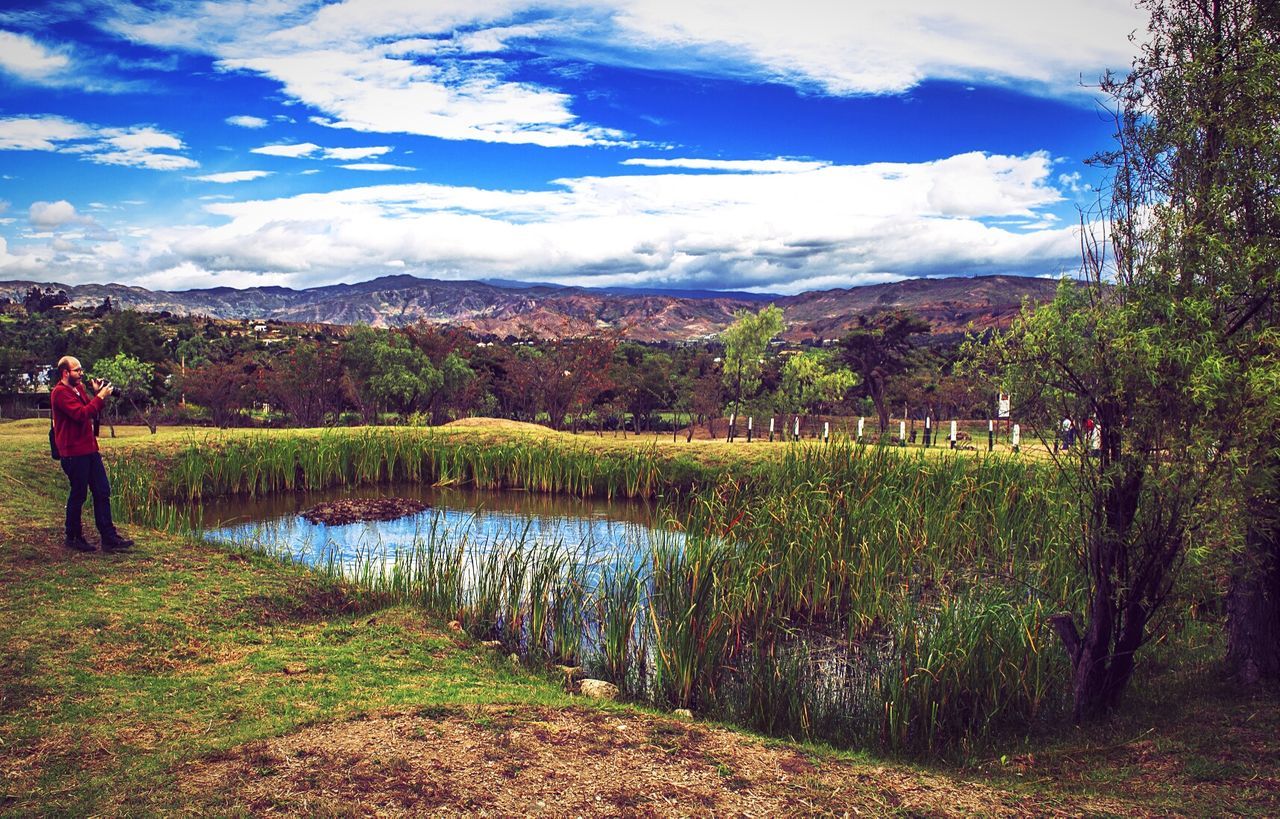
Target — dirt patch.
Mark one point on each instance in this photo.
(351, 510)
(581, 762)
(302, 600)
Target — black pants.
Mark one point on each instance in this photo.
(87, 474)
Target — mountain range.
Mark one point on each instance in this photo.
(951, 305)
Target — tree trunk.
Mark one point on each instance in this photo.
(1102, 660)
(1253, 600)
(1253, 623)
(875, 385)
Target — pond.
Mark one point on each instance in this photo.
(473, 520)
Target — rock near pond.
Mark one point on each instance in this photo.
(598, 690)
(351, 510)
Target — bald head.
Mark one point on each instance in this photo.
(69, 370)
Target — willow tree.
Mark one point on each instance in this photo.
(1202, 133)
(745, 342)
(1169, 342)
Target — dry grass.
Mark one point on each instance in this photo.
(575, 762)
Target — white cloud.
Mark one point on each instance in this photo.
(135, 146)
(1073, 182)
(875, 48)
(779, 165)
(246, 121)
(40, 133)
(292, 150)
(360, 64)
(445, 68)
(348, 154)
(833, 225)
(50, 215)
(28, 59)
(231, 176)
(21, 265)
(362, 90)
(138, 146)
(375, 166)
(303, 149)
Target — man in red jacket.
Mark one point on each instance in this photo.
(73, 431)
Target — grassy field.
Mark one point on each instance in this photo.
(186, 678)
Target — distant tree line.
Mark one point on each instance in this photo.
(192, 369)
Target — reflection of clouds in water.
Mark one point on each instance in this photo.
(476, 530)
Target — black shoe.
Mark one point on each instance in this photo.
(118, 543)
(80, 544)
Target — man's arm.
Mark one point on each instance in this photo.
(67, 404)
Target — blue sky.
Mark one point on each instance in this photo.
(652, 143)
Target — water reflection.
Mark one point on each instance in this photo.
(474, 520)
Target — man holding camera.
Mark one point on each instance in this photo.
(75, 435)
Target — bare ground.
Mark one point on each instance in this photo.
(502, 761)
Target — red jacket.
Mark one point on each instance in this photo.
(73, 414)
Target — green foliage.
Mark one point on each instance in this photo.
(134, 381)
(1164, 341)
(388, 371)
(809, 381)
(745, 343)
(125, 332)
(880, 348)
(131, 377)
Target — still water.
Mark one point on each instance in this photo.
(477, 520)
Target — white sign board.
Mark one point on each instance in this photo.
(1002, 407)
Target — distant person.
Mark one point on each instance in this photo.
(74, 414)
(1092, 436)
(1068, 433)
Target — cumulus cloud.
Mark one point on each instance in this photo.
(40, 133)
(29, 60)
(51, 215)
(231, 176)
(138, 146)
(829, 226)
(246, 121)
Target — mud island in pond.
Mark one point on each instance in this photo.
(352, 510)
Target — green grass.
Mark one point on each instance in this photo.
(923, 581)
(117, 668)
(116, 671)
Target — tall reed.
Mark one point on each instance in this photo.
(856, 594)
